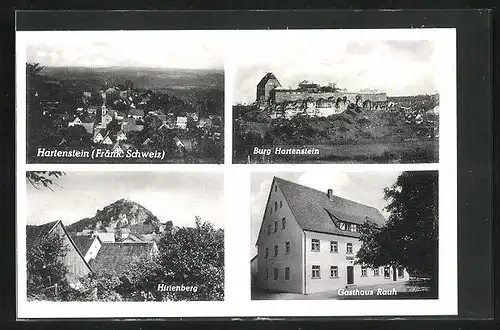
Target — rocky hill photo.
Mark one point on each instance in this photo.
(123, 213)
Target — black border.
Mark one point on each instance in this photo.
(474, 102)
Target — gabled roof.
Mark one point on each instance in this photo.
(89, 127)
(116, 257)
(314, 211)
(266, 78)
(101, 131)
(83, 243)
(136, 112)
(34, 234)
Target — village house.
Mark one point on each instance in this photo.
(88, 245)
(115, 258)
(120, 136)
(181, 122)
(89, 127)
(204, 122)
(308, 242)
(99, 135)
(92, 110)
(76, 264)
(129, 125)
(74, 122)
(192, 115)
(137, 114)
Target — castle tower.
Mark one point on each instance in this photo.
(268, 83)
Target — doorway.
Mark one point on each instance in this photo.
(350, 275)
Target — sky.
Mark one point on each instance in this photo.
(176, 196)
(363, 187)
(397, 67)
(148, 49)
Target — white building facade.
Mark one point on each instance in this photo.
(308, 241)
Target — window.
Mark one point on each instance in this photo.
(275, 226)
(354, 228)
(283, 223)
(287, 248)
(269, 229)
(275, 250)
(267, 253)
(342, 225)
(267, 273)
(316, 272)
(281, 204)
(275, 188)
(334, 247)
(287, 273)
(375, 271)
(364, 271)
(315, 245)
(387, 272)
(275, 206)
(347, 226)
(401, 272)
(349, 248)
(275, 273)
(334, 271)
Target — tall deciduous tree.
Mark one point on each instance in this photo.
(39, 179)
(45, 268)
(410, 237)
(192, 257)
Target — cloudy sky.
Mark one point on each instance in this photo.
(151, 49)
(362, 187)
(176, 196)
(397, 67)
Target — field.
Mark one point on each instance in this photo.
(392, 152)
(192, 86)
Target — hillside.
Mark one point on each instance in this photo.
(123, 213)
(142, 77)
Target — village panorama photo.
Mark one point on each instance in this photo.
(92, 97)
(333, 97)
(354, 235)
(124, 236)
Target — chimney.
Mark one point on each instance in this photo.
(329, 193)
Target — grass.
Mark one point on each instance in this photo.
(377, 152)
(413, 289)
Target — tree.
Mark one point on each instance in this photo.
(409, 239)
(189, 257)
(40, 179)
(45, 268)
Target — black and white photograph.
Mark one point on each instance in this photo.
(333, 97)
(344, 235)
(124, 97)
(124, 236)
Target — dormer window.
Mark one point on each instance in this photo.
(342, 226)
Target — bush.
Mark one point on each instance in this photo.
(419, 155)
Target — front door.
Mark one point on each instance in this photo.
(350, 275)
